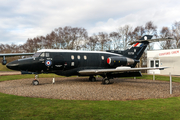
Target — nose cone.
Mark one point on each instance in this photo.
(14, 65)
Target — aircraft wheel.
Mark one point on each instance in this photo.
(106, 81)
(90, 78)
(35, 82)
(93, 79)
(4, 62)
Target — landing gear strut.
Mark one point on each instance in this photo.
(4, 61)
(35, 81)
(92, 78)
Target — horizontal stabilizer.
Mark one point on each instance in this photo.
(151, 40)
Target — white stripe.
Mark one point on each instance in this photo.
(74, 51)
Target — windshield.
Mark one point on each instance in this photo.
(36, 54)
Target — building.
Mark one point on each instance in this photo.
(164, 58)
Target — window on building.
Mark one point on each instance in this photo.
(78, 57)
(152, 63)
(157, 63)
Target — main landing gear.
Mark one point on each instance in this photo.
(106, 81)
(92, 79)
(35, 81)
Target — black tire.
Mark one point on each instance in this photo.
(106, 81)
(90, 78)
(35, 82)
(4, 62)
(93, 79)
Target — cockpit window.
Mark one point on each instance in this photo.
(42, 55)
(36, 54)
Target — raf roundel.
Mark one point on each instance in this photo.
(48, 63)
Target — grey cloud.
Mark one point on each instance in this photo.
(30, 18)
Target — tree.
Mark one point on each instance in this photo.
(164, 33)
(124, 32)
(103, 41)
(138, 32)
(93, 42)
(176, 34)
(116, 40)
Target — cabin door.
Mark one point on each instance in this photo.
(58, 62)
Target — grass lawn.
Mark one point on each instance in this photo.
(4, 68)
(17, 107)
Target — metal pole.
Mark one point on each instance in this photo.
(53, 81)
(170, 83)
(153, 76)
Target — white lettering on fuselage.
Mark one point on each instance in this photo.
(58, 65)
(49, 58)
(41, 59)
(130, 53)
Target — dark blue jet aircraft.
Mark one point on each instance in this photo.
(108, 64)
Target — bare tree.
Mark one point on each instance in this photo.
(103, 41)
(93, 42)
(138, 32)
(164, 33)
(124, 33)
(176, 34)
(116, 40)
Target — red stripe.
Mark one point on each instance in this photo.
(136, 44)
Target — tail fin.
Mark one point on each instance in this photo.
(137, 48)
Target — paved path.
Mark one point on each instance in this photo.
(10, 73)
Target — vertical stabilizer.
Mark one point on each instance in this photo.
(137, 49)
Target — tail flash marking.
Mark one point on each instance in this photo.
(138, 45)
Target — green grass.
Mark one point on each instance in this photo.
(159, 77)
(17, 107)
(16, 77)
(4, 68)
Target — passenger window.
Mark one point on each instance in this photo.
(102, 57)
(72, 57)
(78, 57)
(85, 57)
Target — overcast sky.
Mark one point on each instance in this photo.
(23, 19)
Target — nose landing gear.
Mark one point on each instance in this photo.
(35, 81)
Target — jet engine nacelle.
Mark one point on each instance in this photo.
(4, 62)
(119, 61)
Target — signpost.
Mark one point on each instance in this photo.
(170, 83)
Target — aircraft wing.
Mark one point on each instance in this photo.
(15, 54)
(118, 69)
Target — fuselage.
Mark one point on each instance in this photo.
(69, 62)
